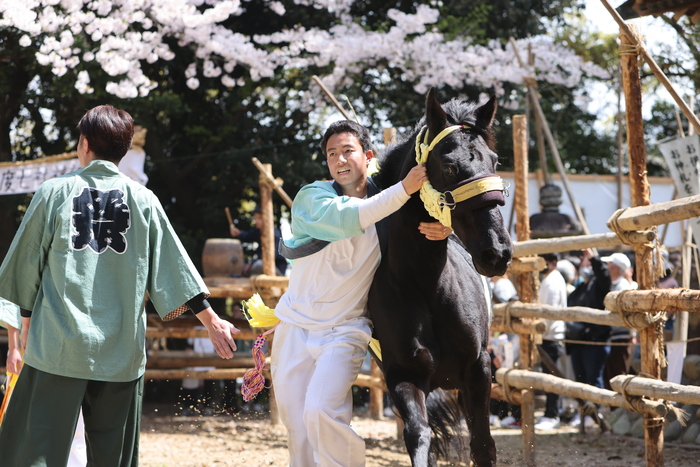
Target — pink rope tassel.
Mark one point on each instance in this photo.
(253, 380)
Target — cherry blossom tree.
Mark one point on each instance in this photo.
(219, 81)
(122, 35)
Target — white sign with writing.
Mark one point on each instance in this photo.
(26, 178)
(683, 158)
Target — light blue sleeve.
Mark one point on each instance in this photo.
(318, 212)
(9, 314)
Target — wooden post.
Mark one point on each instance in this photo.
(628, 30)
(539, 114)
(526, 280)
(267, 238)
(539, 133)
(267, 234)
(620, 143)
(646, 271)
(275, 183)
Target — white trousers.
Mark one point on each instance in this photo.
(313, 372)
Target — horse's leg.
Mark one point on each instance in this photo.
(409, 400)
(475, 400)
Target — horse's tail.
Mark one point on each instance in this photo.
(445, 420)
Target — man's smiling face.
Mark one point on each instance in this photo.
(347, 163)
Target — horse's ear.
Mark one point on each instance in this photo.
(435, 117)
(486, 113)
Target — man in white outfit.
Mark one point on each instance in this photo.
(324, 331)
(552, 292)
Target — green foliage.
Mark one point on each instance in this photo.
(200, 142)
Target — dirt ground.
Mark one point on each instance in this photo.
(250, 440)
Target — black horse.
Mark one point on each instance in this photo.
(430, 311)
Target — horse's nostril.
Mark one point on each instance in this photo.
(497, 259)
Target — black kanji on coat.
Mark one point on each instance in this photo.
(100, 218)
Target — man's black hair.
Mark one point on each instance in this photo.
(348, 126)
(109, 131)
(550, 257)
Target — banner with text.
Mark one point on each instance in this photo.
(683, 158)
(25, 177)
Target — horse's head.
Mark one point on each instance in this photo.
(463, 156)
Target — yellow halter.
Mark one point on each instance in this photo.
(435, 202)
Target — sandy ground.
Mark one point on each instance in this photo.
(251, 441)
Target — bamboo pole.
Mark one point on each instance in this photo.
(517, 326)
(652, 301)
(163, 360)
(620, 142)
(516, 395)
(185, 333)
(225, 373)
(539, 114)
(665, 229)
(656, 389)
(539, 135)
(275, 183)
(642, 217)
(266, 281)
(331, 97)
(243, 289)
(634, 40)
(267, 233)
(526, 264)
(579, 242)
(549, 383)
(526, 280)
(571, 314)
(639, 186)
(680, 327)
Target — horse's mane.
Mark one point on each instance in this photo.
(391, 161)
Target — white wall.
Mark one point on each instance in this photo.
(596, 195)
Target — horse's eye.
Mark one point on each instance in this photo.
(450, 170)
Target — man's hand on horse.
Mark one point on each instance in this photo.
(415, 179)
(434, 230)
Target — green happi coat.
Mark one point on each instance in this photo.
(91, 245)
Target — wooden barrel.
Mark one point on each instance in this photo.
(222, 257)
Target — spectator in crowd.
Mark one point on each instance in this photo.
(503, 289)
(618, 361)
(568, 271)
(552, 292)
(588, 360)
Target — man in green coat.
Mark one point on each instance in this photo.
(91, 246)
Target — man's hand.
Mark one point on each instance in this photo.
(434, 230)
(220, 332)
(587, 253)
(235, 232)
(415, 179)
(14, 356)
(14, 361)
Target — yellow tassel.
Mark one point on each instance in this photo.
(258, 314)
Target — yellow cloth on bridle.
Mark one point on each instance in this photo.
(434, 201)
